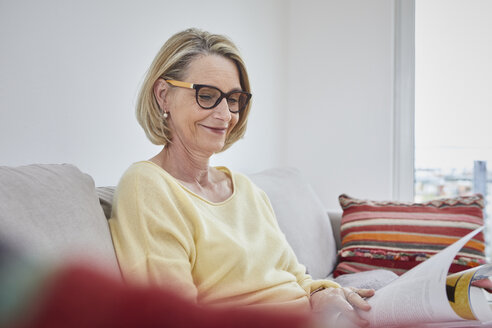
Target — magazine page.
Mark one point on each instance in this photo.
(419, 295)
(468, 301)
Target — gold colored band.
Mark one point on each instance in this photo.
(180, 84)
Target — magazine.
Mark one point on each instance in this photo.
(419, 297)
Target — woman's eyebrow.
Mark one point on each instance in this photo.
(230, 90)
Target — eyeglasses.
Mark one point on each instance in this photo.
(208, 97)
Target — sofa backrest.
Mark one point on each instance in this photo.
(336, 221)
(51, 212)
(302, 218)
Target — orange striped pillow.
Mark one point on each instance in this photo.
(398, 236)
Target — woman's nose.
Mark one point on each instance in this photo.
(222, 110)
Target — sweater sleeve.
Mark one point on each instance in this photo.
(303, 279)
(152, 238)
(297, 269)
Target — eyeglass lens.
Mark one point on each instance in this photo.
(209, 97)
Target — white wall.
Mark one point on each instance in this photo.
(321, 73)
(340, 113)
(70, 73)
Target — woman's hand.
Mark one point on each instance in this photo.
(485, 283)
(336, 306)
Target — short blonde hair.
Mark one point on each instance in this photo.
(171, 62)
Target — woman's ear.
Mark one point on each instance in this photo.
(161, 89)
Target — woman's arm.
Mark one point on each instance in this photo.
(152, 237)
(330, 303)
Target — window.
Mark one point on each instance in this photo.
(453, 99)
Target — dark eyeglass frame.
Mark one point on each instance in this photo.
(223, 95)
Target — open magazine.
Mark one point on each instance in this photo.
(426, 297)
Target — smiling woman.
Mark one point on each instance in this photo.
(205, 231)
(186, 115)
(173, 63)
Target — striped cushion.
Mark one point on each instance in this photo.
(398, 236)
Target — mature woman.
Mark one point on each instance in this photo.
(206, 231)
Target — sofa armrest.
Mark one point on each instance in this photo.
(335, 220)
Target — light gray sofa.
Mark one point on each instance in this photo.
(54, 212)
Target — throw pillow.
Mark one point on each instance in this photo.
(398, 236)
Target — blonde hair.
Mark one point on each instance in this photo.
(171, 62)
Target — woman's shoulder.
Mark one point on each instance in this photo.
(145, 169)
(143, 173)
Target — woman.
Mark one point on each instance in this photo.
(206, 231)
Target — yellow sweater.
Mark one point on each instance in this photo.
(231, 252)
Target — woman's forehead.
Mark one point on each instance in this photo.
(213, 70)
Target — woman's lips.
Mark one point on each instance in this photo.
(218, 130)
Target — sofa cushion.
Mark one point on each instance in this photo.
(336, 221)
(302, 218)
(52, 212)
(372, 279)
(398, 236)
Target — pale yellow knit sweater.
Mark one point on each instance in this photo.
(231, 252)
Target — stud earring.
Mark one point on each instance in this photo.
(165, 115)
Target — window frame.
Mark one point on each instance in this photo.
(404, 101)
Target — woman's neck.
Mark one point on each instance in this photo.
(184, 165)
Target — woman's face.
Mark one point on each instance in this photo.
(197, 129)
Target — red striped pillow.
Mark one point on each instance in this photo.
(398, 236)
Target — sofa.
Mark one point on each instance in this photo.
(55, 212)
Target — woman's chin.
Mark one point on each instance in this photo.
(213, 148)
